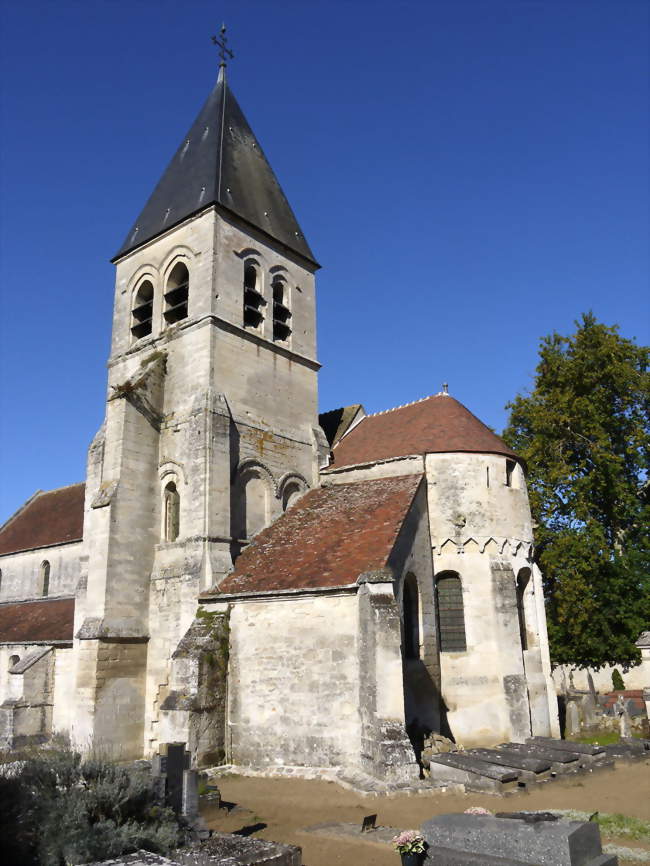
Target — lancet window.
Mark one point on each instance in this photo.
(45, 578)
(171, 512)
(522, 582)
(411, 606)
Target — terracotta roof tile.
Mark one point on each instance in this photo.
(327, 539)
(437, 424)
(47, 620)
(51, 517)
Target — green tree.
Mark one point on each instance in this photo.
(584, 433)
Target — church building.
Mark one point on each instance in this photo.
(273, 588)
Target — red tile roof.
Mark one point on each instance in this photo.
(51, 517)
(327, 539)
(437, 424)
(46, 620)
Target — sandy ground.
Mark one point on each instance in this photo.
(288, 806)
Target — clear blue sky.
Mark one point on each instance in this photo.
(471, 175)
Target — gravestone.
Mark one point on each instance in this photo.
(190, 801)
(572, 719)
(624, 721)
(457, 840)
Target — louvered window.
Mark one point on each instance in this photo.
(281, 313)
(177, 294)
(253, 298)
(451, 616)
(142, 312)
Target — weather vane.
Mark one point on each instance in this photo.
(224, 51)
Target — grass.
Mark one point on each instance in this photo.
(612, 824)
(606, 738)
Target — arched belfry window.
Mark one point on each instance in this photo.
(450, 613)
(411, 606)
(13, 660)
(45, 578)
(522, 582)
(253, 297)
(142, 312)
(171, 512)
(281, 312)
(176, 294)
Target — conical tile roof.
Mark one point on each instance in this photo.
(436, 424)
(219, 162)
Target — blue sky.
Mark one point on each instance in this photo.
(471, 175)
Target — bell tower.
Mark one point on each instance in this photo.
(211, 424)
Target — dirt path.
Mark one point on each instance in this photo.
(288, 806)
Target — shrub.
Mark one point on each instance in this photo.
(617, 680)
(60, 809)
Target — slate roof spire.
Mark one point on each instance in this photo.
(219, 162)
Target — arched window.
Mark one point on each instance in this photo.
(511, 465)
(253, 298)
(13, 660)
(522, 582)
(291, 494)
(171, 512)
(142, 312)
(176, 294)
(411, 606)
(281, 312)
(450, 613)
(45, 578)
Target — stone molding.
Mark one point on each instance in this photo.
(504, 545)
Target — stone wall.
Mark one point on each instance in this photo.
(294, 684)
(21, 572)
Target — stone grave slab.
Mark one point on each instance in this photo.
(569, 746)
(518, 840)
(229, 849)
(561, 761)
(530, 769)
(474, 773)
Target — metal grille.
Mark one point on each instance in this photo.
(451, 617)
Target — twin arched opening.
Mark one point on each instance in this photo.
(175, 301)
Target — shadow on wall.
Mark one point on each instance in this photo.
(426, 711)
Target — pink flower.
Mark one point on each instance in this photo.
(409, 842)
(477, 810)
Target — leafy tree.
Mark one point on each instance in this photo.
(584, 433)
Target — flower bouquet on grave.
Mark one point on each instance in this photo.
(410, 845)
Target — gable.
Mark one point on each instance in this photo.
(52, 517)
(327, 539)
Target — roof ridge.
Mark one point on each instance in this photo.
(403, 406)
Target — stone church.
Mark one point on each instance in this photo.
(274, 588)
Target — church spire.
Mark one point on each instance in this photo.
(219, 163)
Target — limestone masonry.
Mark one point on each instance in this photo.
(273, 589)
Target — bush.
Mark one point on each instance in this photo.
(617, 680)
(59, 809)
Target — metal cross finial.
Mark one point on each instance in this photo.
(224, 51)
